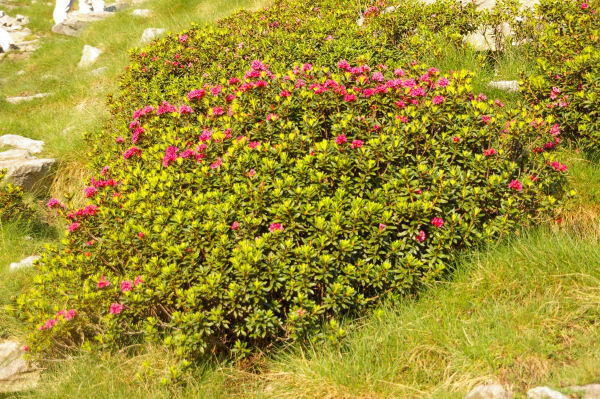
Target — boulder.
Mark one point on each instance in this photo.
(25, 263)
(545, 393)
(150, 34)
(27, 172)
(591, 391)
(69, 28)
(89, 56)
(22, 143)
(15, 374)
(506, 85)
(20, 99)
(493, 391)
(6, 41)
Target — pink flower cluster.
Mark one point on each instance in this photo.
(90, 210)
(65, 314)
(54, 203)
(559, 167)
(515, 185)
(275, 227)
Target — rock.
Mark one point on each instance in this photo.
(89, 56)
(22, 143)
(506, 85)
(116, 6)
(545, 393)
(150, 34)
(591, 391)
(69, 28)
(6, 41)
(145, 13)
(27, 172)
(495, 391)
(22, 19)
(15, 374)
(12, 155)
(20, 99)
(25, 263)
(481, 41)
(99, 71)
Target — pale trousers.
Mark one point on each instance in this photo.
(85, 7)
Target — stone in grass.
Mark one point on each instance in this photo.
(545, 393)
(493, 391)
(6, 41)
(15, 374)
(20, 99)
(89, 56)
(510, 86)
(591, 391)
(22, 143)
(150, 34)
(24, 264)
(23, 169)
(144, 13)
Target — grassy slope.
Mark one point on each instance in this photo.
(523, 313)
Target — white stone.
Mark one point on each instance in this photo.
(545, 393)
(12, 155)
(25, 263)
(142, 12)
(506, 85)
(89, 56)
(15, 374)
(23, 143)
(20, 99)
(150, 34)
(99, 71)
(6, 41)
(27, 172)
(591, 391)
(493, 391)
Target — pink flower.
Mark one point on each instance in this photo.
(233, 81)
(119, 139)
(48, 325)
(141, 235)
(215, 91)
(170, 155)
(437, 222)
(272, 117)
(489, 151)
(54, 203)
(350, 98)
(486, 119)
(515, 185)
(251, 172)
(254, 144)
(456, 139)
(185, 109)
(131, 152)
(275, 227)
(584, 6)
(183, 38)
(235, 226)
(217, 111)
(196, 94)
(438, 100)
(421, 236)
(555, 129)
(116, 308)
(126, 286)
(73, 227)
(554, 93)
(285, 93)
(499, 103)
(103, 282)
(558, 166)
(341, 139)
(104, 171)
(71, 313)
(357, 144)
(443, 82)
(382, 226)
(217, 163)
(368, 92)
(378, 77)
(138, 281)
(90, 191)
(343, 64)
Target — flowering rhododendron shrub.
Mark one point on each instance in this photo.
(316, 193)
(566, 81)
(12, 205)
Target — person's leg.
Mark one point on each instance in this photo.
(60, 10)
(98, 5)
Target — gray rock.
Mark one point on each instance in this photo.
(22, 143)
(481, 41)
(591, 391)
(22, 19)
(494, 391)
(545, 393)
(69, 28)
(144, 13)
(20, 99)
(27, 172)
(6, 41)
(506, 85)
(89, 56)
(15, 374)
(25, 263)
(150, 34)
(12, 155)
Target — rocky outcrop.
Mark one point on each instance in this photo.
(545, 393)
(76, 21)
(491, 391)
(22, 167)
(15, 36)
(15, 374)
